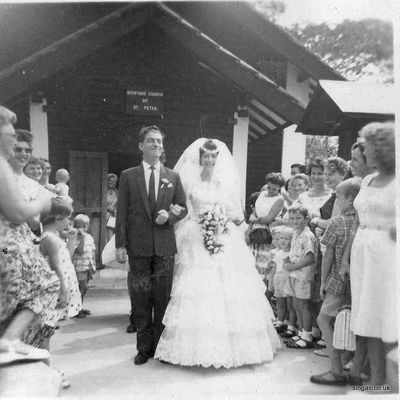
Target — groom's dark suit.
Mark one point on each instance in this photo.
(150, 247)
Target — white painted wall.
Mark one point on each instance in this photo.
(239, 150)
(39, 129)
(293, 149)
(294, 143)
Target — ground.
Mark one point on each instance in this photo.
(96, 354)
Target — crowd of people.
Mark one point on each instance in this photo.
(323, 242)
(45, 263)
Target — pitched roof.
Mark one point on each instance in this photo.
(335, 101)
(53, 36)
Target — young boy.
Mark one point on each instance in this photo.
(300, 266)
(333, 287)
(84, 258)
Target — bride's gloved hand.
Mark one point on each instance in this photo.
(175, 209)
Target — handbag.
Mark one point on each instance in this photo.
(343, 337)
(111, 222)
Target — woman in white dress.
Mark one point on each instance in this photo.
(373, 252)
(218, 314)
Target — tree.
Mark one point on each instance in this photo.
(321, 146)
(359, 50)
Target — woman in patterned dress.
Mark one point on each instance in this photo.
(27, 285)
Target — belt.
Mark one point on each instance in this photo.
(374, 227)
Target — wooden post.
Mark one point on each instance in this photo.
(39, 127)
(239, 148)
(347, 137)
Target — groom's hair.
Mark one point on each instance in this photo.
(143, 132)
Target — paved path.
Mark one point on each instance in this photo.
(97, 356)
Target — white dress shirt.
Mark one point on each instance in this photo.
(147, 172)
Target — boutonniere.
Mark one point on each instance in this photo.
(166, 183)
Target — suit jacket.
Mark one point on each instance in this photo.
(135, 227)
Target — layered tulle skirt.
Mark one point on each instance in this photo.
(218, 314)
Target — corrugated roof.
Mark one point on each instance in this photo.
(361, 98)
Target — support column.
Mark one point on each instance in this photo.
(293, 149)
(39, 128)
(239, 148)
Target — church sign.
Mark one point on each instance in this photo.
(144, 101)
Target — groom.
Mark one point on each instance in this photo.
(150, 201)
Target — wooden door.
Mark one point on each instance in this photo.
(88, 189)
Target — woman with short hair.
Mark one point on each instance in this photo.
(373, 252)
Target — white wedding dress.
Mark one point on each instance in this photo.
(218, 314)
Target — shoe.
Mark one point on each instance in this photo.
(288, 333)
(300, 344)
(131, 328)
(319, 343)
(141, 358)
(321, 353)
(354, 380)
(65, 383)
(329, 378)
(11, 351)
(87, 312)
(348, 366)
(80, 314)
(280, 328)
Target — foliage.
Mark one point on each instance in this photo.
(321, 146)
(359, 50)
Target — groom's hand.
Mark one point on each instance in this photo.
(162, 217)
(120, 255)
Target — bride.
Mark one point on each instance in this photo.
(218, 314)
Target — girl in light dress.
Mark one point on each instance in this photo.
(53, 246)
(266, 211)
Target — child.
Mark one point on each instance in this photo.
(333, 287)
(283, 237)
(84, 257)
(53, 246)
(61, 187)
(301, 270)
(297, 185)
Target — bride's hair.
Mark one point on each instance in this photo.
(209, 146)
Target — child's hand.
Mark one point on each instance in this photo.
(252, 218)
(344, 270)
(289, 267)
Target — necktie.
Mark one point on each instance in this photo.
(152, 191)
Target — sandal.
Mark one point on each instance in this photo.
(288, 333)
(329, 378)
(319, 343)
(299, 344)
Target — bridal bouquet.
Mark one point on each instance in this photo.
(213, 224)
